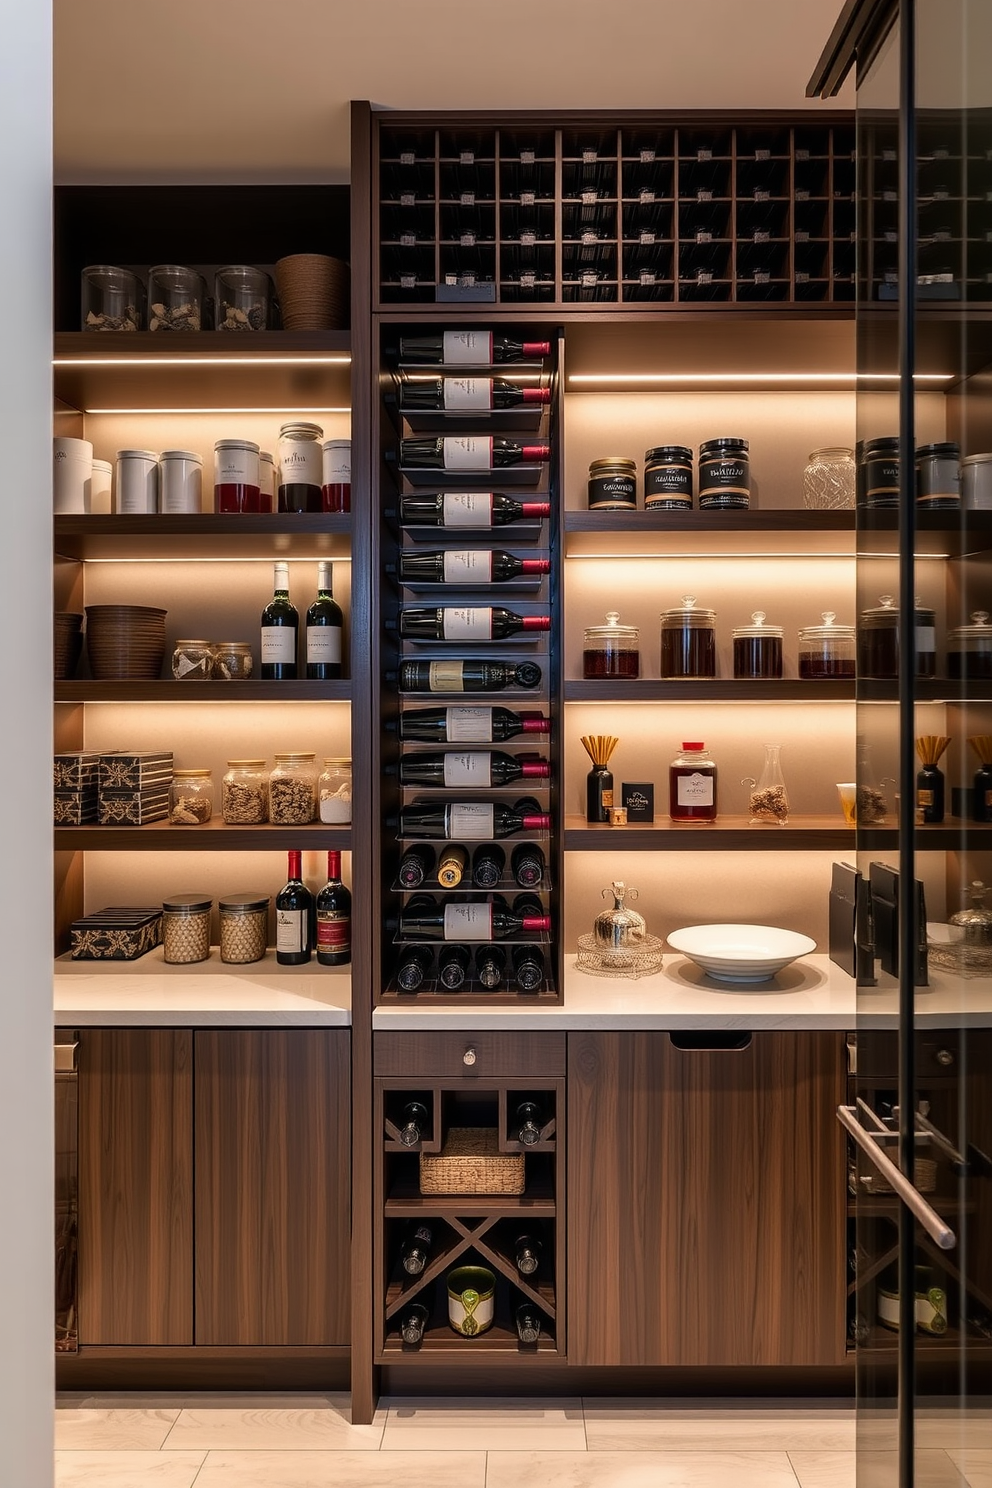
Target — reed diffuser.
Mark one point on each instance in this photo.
(981, 791)
(930, 780)
(599, 781)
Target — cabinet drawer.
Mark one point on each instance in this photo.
(497, 1055)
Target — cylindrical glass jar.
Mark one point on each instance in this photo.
(668, 478)
(191, 798)
(233, 661)
(243, 297)
(938, 476)
(137, 482)
(878, 640)
(610, 650)
(336, 487)
(301, 467)
(826, 652)
(192, 661)
(113, 299)
(829, 479)
(724, 475)
(186, 928)
(244, 927)
(236, 476)
(266, 481)
(688, 641)
(881, 472)
(976, 482)
(175, 298)
(334, 791)
(293, 790)
(969, 648)
(180, 481)
(692, 785)
(245, 793)
(613, 484)
(758, 648)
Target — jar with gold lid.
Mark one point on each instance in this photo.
(334, 791)
(293, 790)
(191, 798)
(245, 793)
(232, 661)
(613, 484)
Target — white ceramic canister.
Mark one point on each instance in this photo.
(137, 482)
(72, 472)
(180, 481)
(976, 482)
(266, 481)
(100, 486)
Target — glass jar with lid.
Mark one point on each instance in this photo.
(613, 484)
(878, 640)
(969, 648)
(175, 298)
(301, 467)
(244, 927)
(236, 476)
(881, 472)
(334, 791)
(829, 479)
(758, 648)
(245, 793)
(113, 299)
(826, 652)
(293, 790)
(668, 478)
(243, 299)
(688, 641)
(724, 475)
(192, 661)
(611, 650)
(186, 928)
(938, 476)
(232, 661)
(191, 798)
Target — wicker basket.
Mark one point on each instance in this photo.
(471, 1163)
(314, 292)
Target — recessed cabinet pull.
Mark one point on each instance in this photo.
(869, 1142)
(65, 1058)
(469, 1057)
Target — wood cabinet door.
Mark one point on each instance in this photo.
(135, 1186)
(273, 1188)
(706, 1201)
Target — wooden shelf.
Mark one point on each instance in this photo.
(441, 1345)
(161, 836)
(724, 690)
(207, 535)
(726, 834)
(168, 690)
(786, 532)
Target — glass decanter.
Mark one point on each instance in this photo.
(768, 799)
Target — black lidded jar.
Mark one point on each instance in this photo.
(878, 641)
(724, 475)
(879, 479)
(758, 649)
(969, 649)
(613, 484)
(668, 478)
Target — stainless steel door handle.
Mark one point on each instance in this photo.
(869, 1141)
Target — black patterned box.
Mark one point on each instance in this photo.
(123, 770)
(115, 934)
(76, 771)
(75, 808)
(134, 808)
(638, 797)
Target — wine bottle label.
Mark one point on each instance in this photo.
(291, 930)
(323, 643)
(446, 676)
(467, 509)
(460, 624)
(301, 462)
(468, 566)
(278, 643)
(468, 725)
(473, 821)
(467, 922)
(467, 348)
(469, 768)
(468, 452)
(473, 393)
(695, 790)
(333, 931)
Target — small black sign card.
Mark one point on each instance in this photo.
(638, 797)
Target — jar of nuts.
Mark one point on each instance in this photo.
(232, 661)
(191, 798)
(244, 921)
(293, 790)
(245, 793)
(186, 928)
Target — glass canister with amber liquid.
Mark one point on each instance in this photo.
(692, 785)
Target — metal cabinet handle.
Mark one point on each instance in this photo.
(868, 1141)
(469, 1057)
(65, 1058)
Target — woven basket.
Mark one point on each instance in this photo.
(471, 1163)
(314, 292)
(924, 1178)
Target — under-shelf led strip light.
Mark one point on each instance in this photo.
(677, 378)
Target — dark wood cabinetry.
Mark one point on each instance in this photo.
(705, 1200)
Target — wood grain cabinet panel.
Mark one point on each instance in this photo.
(706, 1201)
(135, 1186)
(273, 1134)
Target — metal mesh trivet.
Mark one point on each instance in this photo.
(633, 961)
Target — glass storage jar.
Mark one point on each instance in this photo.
(688, 641)
(334, 791)
(969, 648)
(613, 484)
(758, 648)
(245, 793)
(692, 785)
(878, 640)
(175, 298)
(113, 299)
(243, 299)
(192, 661)
(668, 478)
(186, 928)
(266, 481)
(293, 790)
(826, 652)
(191, 798)
(938, 476)
(301, 467)
(244, 927)
(336, 477)
(610, 650)
(232, 661)
(236, 476)
(976, 482)
(829, 479)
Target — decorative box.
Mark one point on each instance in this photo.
(134, 808)
(75, 808)
(471, 1163)
(116, 934)
(125, 771)
(638, 797)
(76, 771)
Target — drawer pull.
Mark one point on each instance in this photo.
(944, 1057)
(469, 1057)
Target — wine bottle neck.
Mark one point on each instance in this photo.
(334, 866)
(295, 865)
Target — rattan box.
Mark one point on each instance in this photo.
(471, 1163)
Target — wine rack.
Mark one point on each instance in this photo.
(635, 214)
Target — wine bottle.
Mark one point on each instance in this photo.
(294, 918)
(528, 1321)
(527, 904)
(416, 864)
(467, 566)
(452, 967)
(528, 967)
(334, 917)
(467, 676)
(528, 1121)
(469, 452)
(488, 863)
(490, 967)
(467, 394)
(469, 725)
(452, 862)
(459, 922)
(468, 623)
(325, 630)
(470, 349)
(483, 768)
(412, 971)
(280, 628)
(469, 509)
(412, 1324)
(472, 821)
(415, 1119)
(527, 1253)
(416, 1248)
(527, 865)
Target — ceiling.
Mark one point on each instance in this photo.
(247, 91)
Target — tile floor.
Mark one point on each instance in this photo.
(308, 1441)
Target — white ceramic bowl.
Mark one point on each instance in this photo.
(740, 953)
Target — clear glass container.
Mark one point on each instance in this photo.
(611, 650)
(175, 298)
(688, 641)
(334, 791)
(245, 793)
(233, 661)
(969, 648)
(112, 299)
(293, 790)
(191, 798)
(336, 475)
(692, 786)
(301, 467)
(236, 476)
(244, 928)
(938, 476)
(192, 661)
(829, 479)
(768, 799)
(976, 920)
(243, 299)
(826, 652)
(186, 928)
(758, 649)
(878, 640)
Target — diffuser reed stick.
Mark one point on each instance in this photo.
(930, 747)
(599, 747)
(599, 781)
(982, 745)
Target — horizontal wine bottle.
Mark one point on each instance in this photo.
(414, 1121)
(527, 1253)
(468, 566)
(467, 623)
(413, 1322)
(488, 862)
(470, 349)
(416, 1248)
(471, 767)
(490, 967)
(528, 1321)
(452, 863)
(469, 452)
(469, 725)
(466, 676)
(469, 509)
(528, 1122)
(527, 865)
(412, 971)
(469, 821)
(528, 967)
(452, 967)
(461, 922)
(468, 394)
(416, 864)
